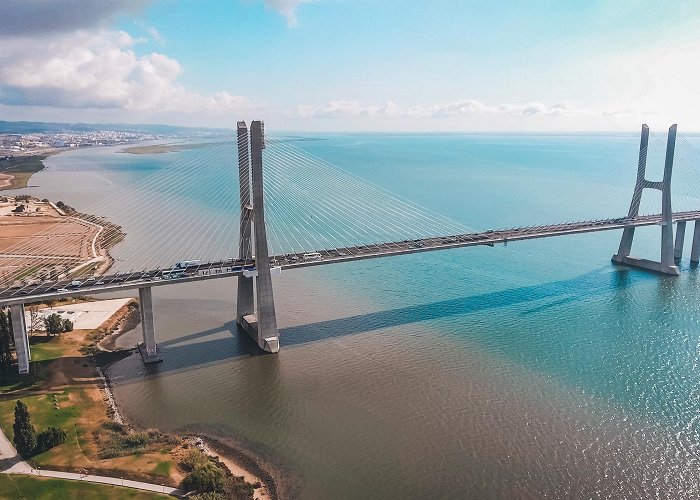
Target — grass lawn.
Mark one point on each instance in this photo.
(60, 395)
(44, 414)
(44, 350)
(22, 168)
(16, 486)
(162, 469)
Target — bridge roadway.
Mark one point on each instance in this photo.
(229, 268)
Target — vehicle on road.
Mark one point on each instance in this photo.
(312, 256)
(174, 273)
(187, 263)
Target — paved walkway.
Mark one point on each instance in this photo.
(11, 463)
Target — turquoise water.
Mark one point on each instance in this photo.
(536, 369)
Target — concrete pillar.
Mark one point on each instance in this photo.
(262, 325)
(149, 348)
(680, 239)
(245, 301)
(628, 233)
(667, 212)
(695, 250)
(19, 331)
(666, 265)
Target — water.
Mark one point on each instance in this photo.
(536, 369)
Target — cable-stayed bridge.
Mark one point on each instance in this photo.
(302, 212)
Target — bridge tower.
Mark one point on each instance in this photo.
(260, 324)
(667, 264)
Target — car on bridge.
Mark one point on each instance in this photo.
(187, 263)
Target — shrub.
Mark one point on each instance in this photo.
(67, 325)
(204, 478)
(192, 459)
(208, 496)
(53, 436)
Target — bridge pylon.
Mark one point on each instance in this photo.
(667, 264)
(261, 322)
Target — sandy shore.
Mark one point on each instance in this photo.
(6, 180)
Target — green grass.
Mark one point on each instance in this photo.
(162, 469)
(22, 168)
(44, 414)
(15, 486)
(30, 270)
(43, 352)
(45, 348)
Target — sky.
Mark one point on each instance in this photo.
(354, 65)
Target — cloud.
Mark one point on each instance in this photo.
(45, 17)
(85, 69)
(464, 107)
(286, 8)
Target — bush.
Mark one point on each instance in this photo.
(193, 459)
(204, 478)
(53, 436)
(208, 496)
(67, 325)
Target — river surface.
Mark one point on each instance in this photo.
(538, 369)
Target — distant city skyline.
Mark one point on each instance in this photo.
(354, 65)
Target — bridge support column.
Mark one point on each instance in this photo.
(666, 264)
(148, 348)
(695, 250)
(680, 239)
(19, 332)
(245, 300)
(261, 325)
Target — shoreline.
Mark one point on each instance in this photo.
(238, 460)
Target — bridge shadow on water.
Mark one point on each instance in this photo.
(185, 353)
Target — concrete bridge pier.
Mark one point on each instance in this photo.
(667, 264)
(148, 348)
(19, 331)
(680, 239)
(261, 325)
(695, 250)
(245, 301)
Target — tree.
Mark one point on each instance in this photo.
(25, 435)
(204, 478)
(33, 318)
(53, 324)
(6, 340)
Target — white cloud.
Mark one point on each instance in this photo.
(286, 8)
(100, 69)
(464, 107)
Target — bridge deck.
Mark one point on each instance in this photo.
(225, 269)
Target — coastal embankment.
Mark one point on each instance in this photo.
(69, 387)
